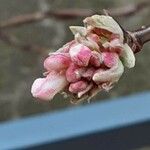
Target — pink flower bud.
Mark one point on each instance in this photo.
(66, 47)
(46, 88)
(88, 74)
(89, 87)
(105, 23)
(88, 39)
(80, 54)
(94, 41)
(74, 73)
(57, 62)
(96, 59)
(102, 32)
(110, 59)
(78, 86)
(114, 46)
(88, 42)
(93, 61)
(94, 37)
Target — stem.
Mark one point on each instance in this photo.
(143, 35)
(137, 39)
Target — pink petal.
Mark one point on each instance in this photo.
(87, 41)
(57, 62)
(102, 32)
(89, 87)
(114, 46)
(116, 43)
(46, 88)
(66, 47)
(74, 73)
(36, 86)
(88, 74)
(94, 40)
(114, 36)
(80, 54)
(110, 59)
(96, 59)
(78, 86)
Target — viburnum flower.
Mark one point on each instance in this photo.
(92, 62)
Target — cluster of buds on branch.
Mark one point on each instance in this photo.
(92, 62)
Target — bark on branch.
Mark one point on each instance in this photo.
(143, 35)
(137, 39)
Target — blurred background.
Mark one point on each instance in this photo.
(24, 46)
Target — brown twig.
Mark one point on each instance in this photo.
(137, 39)
(71, 14)
(143, 35)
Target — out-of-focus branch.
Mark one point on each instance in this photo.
(135, 39)
(71, 14)
(129, 10)
(12, 41)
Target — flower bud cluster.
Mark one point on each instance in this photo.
(92, 62)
